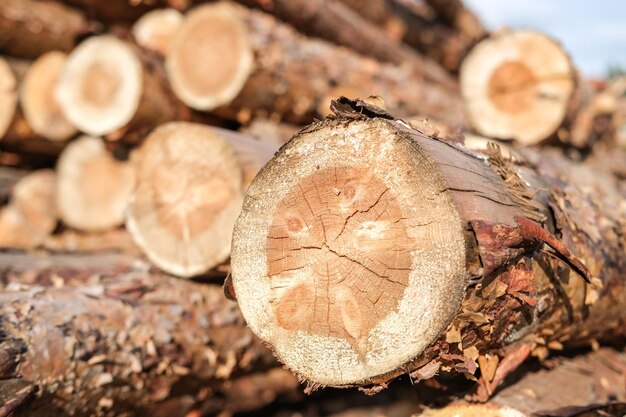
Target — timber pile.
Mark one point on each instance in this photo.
(143, 141)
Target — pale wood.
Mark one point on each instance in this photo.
(39, 104)
(93, 187)
(518, 85)
(156, 29)
(31, 216)
(210, 34)
(8, 96)
(188, 195)
(380, 251)
(107, 86)
(292, 74)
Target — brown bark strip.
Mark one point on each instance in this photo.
(335, 22)
(30, 28)
(290, 81)
(518, 296)
(162, 344)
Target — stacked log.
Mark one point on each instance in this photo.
(335, 266)
(390, 238)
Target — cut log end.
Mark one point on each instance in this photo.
(210, 58)
(155, 29)
(518, 85)
(188, 195)
(8, 96)
(31, 216)
(41, 109)
(355, 263)
(101, 85)
(94, 188)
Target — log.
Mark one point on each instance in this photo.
(39, 104)
(117, 11)
(31, 216)
(94, 188)
(518, 85)
(570, 387)
(97, 336)
(154, 30)
(29, 28)
(289, 80)
(107, 86)
(418, 26)
(190, 184)
(337, 23)
(16, 134)
(381, 251)
(459, 17)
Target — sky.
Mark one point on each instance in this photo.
(592, 31)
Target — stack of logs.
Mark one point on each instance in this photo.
(132, 130)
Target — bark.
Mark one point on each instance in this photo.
(94, 188)
(190, 184)
(335, 22)
(502, 252)
(418, 26)
(163, 347)
(459, 17)
(109, 87)
(292, 74)
(510, 93)
(121, 11)
(30, 28)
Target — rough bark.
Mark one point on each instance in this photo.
(489, 239)
(459, 17)
(292, 74)
(163, 347)
(94, 188)
(29, 28)
(335, 22)
(121, 11)
(190, 184)
(520, 85)
(108, 87)
(419, 26)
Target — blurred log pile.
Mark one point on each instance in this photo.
(130, 131)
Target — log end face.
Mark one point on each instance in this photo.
(8, 96)
(517, 85)
(355, 261)
(210, 58)
(188, 195)
(101, 85)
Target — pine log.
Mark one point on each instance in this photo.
(41, 109)
(190, 184)
(31, 216)
(29, 28)
(381, 251)
(96, 336)
(419, 26)
(154, 30)
(335, 22)
(16, 134)
(94, 188)
(107, 86)
(518, 85)
(291, 74)
(117, 11)
(459, 17)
